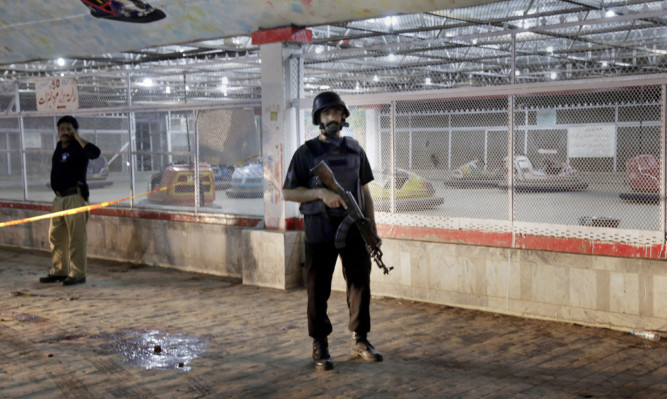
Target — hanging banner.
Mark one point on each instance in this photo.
(57, 94)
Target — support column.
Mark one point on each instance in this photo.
(279, 127)
(272, 257)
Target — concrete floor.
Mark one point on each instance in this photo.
(133, 331)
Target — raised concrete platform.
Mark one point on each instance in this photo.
(128, 329)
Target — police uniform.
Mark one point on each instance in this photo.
(350, 166)
(67, 234)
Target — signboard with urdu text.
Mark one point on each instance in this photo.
(57, 94)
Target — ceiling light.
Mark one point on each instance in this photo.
(167, 90)
(427, 81)
(318, 50)
(390, 21)
(392, 57)
(554, 75)
(610, 14)
(550, 49)
(225, 80)
(60, 61)
(376, 79)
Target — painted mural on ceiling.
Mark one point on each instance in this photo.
(38, 29)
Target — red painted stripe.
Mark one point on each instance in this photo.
(148, 214)
(575, 245)
(178, 217)
(444, 235)
(25, 205)
(294, 223)
(430, 234)
(539, 243)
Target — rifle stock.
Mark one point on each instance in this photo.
(354, 215)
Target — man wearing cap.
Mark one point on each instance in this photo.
(323, 211)
(67, 234)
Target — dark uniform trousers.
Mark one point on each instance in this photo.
(320, 264)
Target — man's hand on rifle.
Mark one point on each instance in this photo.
(331, 199)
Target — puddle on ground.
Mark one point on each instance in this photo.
(153, 349)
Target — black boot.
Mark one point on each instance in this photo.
(363, 349)
(50, 278)
(321, 356)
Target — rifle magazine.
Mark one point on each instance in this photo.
(341, 233)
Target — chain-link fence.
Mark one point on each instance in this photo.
(155, 130)
(585, 163)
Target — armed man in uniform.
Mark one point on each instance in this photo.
(323, 212)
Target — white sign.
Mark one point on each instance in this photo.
(32, 140)
(591, 141)
(57, 94)
(6, 87)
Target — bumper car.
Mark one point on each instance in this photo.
(413, 192)
(644, 178)
(247, 182)
(472, 174)
(529, 179)
(97, 173)
(184, 193)
(124, 10)
(222, 175)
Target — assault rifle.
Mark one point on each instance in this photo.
(354, 215)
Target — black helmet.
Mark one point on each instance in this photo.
(324, 100)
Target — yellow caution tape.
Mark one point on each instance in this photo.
(85, 208)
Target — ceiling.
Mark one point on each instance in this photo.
(39, 30)
(376, 47)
